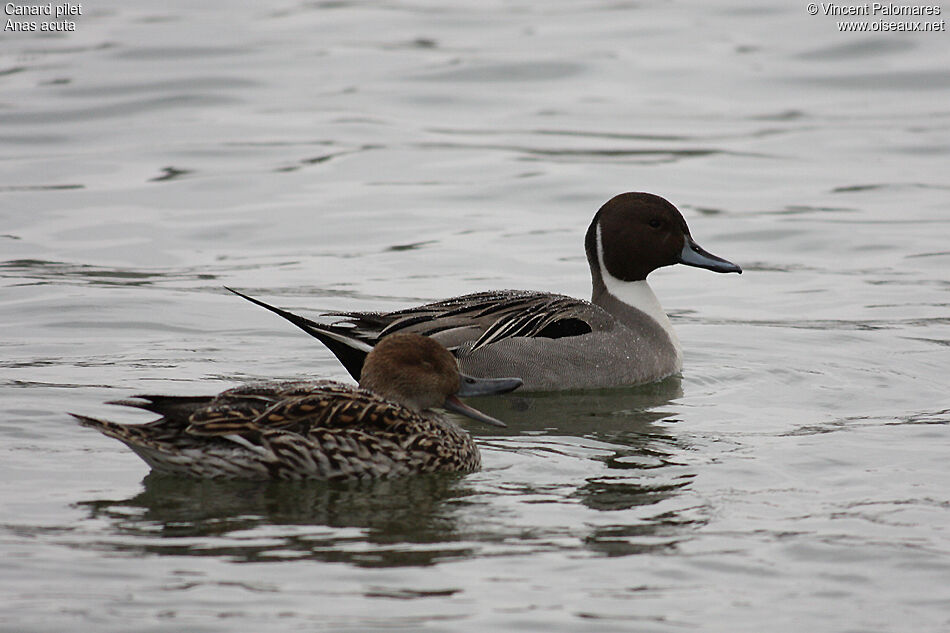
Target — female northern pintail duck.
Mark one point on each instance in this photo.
(551, 341)
(320, 429)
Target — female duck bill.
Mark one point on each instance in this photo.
(472, 386)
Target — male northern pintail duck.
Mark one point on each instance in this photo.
(551, 341)
(319, 429)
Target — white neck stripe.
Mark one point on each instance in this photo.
(636, 294)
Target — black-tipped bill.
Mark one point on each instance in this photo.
(694, 255)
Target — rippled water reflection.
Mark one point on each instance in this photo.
(350, 155)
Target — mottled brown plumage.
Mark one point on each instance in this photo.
(316, 429)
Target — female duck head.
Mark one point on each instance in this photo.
(419, 373)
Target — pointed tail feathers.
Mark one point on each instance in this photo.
(130, 434)
(349, 350)
(166, 406)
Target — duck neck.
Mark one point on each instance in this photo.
(627, 301)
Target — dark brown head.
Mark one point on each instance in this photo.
(633, 234)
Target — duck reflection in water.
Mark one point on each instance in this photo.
(200, 517)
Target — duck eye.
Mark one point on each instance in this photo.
(655, 223)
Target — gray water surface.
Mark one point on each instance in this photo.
(372, 155)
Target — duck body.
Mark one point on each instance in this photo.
(314, 429)
(292, 430)
(544, 338)
(621, 336)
